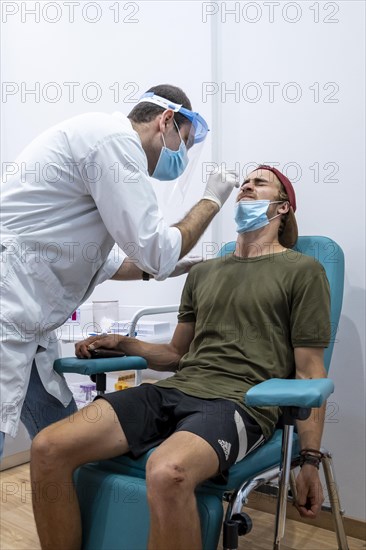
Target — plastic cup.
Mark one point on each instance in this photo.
(104, 315)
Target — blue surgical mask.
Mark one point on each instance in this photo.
(251, 215)
(171, 164)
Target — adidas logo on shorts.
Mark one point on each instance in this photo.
(226, 447)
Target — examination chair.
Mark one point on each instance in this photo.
(112, 493)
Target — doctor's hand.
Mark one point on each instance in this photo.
(220, 184)
(109, 341)
(185, 264)
(310, 495)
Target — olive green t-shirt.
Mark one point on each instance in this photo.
(249, 315)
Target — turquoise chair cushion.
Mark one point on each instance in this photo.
(95, 366)
(267, 456)
(115, 514)
(290, 393)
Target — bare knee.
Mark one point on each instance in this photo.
(48, 452)
(167, 481)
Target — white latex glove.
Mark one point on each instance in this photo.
(220, 184)
(185, 264)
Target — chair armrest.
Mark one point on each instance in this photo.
(94, 366)
(290, 393)
(154, 310)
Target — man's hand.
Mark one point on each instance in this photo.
(160, 357)
(220, 184)
(109, 341)
(185, 264)
(309, 492)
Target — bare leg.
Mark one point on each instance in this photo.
(173, 472)
(93, 433)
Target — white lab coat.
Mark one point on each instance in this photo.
(81, 186)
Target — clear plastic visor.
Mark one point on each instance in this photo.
(199, 127)
(192, 175)
(176, 191)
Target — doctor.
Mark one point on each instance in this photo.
(81, 187)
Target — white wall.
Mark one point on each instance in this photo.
(174, 42)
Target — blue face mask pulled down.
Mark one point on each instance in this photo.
(251, 215)
(171, 164)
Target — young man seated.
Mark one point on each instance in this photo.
(259, 313)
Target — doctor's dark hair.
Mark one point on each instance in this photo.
(146, 112)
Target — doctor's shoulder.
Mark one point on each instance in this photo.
(95, 126)
(97, 133)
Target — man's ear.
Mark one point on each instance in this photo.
(283, 208)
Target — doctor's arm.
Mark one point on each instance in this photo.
(129, 271)
(192, 226)
(309, 364)
(160, 357)
(218, 188)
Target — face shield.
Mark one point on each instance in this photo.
(177, 189)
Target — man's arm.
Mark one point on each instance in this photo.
(309, 364)
(160, 357)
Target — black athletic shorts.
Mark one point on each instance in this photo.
(149, 414)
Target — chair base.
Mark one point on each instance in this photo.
(115, 513)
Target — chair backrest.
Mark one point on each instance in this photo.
(330, 255)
